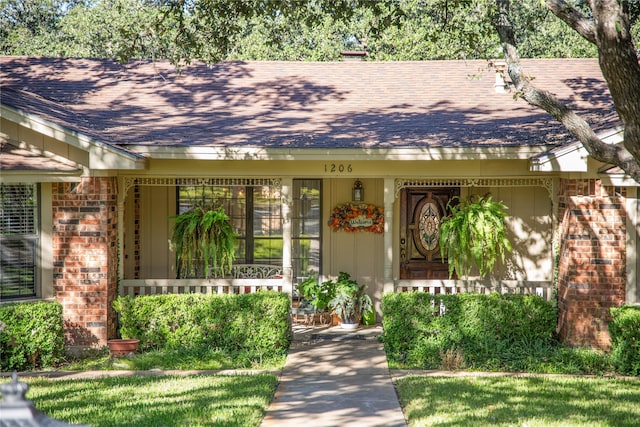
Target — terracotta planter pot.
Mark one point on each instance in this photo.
(122, 347)
(335, 320)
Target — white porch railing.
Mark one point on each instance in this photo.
(246, 278)
(205, 286)
(542, 289)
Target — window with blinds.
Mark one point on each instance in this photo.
(19, 240)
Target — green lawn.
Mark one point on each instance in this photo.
(242, 400)
(239, 400)
(518, 401)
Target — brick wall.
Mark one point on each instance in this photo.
(591, 270)
(85, 258)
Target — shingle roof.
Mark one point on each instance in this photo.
(351, 104)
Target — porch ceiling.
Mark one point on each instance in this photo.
(15, 159)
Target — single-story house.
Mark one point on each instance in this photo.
(97, 156)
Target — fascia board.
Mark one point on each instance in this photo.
(39, 176)
(101, 155)
(568, 158)
(399, 154)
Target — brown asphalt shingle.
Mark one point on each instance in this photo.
(348, 104)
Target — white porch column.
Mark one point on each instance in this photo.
(389, 198)
(287, 204)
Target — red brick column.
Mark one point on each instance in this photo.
(591, 270)
(85, 253)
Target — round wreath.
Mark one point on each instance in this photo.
(343, 214)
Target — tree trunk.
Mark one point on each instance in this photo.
(620, 68)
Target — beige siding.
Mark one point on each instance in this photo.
(530, 232)
(358, 168)
(361, 254)
(128, 256)
(31, 137)
(157, 204)
(46, 242)
(10, 131)
(156, 233)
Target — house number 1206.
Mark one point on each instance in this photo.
(338, 168)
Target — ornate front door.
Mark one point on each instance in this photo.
(422, 210)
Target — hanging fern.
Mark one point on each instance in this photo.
(474, 234)
(204, 242)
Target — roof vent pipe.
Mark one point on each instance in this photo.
(353, 55)
(501, 85)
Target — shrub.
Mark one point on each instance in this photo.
(31, 335)
(256, 325)
(625, 339)
(483, 331)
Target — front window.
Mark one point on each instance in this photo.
(306, 228)
(19, 240)
(255, 212)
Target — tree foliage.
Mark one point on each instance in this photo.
(607, 25)
(289, 31)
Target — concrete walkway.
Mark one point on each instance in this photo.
(334, 377)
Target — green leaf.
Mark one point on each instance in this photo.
(473, 235)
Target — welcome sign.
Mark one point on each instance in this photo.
(357, 217)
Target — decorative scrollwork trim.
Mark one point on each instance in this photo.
(222, 182)
(544, 182)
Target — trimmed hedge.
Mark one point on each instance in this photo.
(257, 324)
(31, 335)
(625, 339)
(467, 330)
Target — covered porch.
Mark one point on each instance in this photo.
(146, 204)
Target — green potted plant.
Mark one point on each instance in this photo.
(315, 293)
(205, 243)
(315, 297)
(474, 235)
(126, 344)
(350, 302)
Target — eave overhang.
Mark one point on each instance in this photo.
(613, 175)
(571, 157)
(18, 164)
(102, 156)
